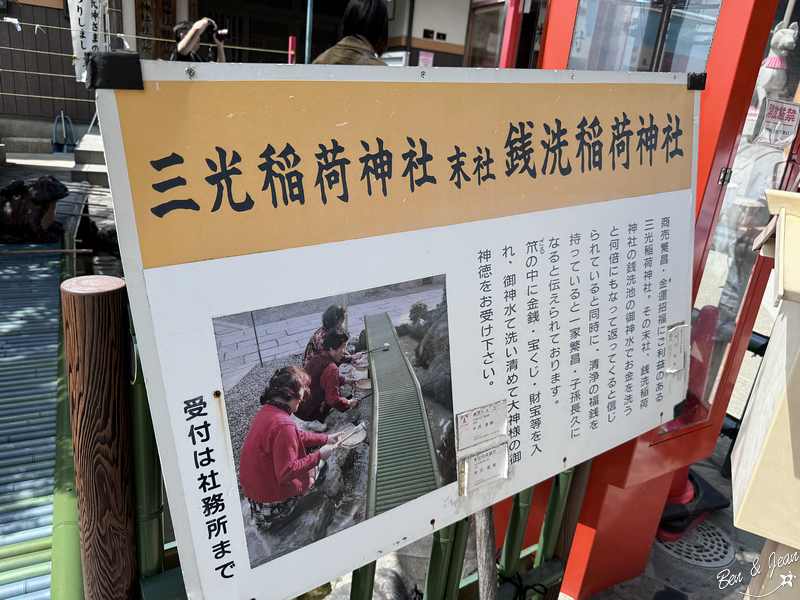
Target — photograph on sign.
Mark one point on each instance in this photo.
(300, 415)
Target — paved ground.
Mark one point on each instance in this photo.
(241, 347)
(665, 577)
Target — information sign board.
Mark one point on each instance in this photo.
(515, 242)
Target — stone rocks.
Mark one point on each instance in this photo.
(334, 485)
(355, 471)
(419, 328)
(446, 450)
(361, 346)
(27, 212)
(103, 236)
(435, 342)
(437, 384)
(389, 586)
(305, 525)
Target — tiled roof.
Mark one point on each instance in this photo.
(29, 323)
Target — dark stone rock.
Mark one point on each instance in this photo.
(27, 212)
(389, 586)
(306, 524)
(420, 328)
(333, 486)
(107, 236)
(403, 329)
(102, 236)
(437, 385)
(446, 450)
(357, 467)
(361, 346)
(435, 342)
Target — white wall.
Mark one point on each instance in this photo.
(446, 16)
(129, 20)
(398, 26)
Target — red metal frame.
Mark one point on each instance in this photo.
(559, 24)
(508, 53)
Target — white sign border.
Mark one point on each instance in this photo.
(441, 505)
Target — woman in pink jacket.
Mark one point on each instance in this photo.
(274, 469)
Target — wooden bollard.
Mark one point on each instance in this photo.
(97, 343)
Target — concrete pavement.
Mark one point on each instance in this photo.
(242, 347)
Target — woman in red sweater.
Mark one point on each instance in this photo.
(274, 469)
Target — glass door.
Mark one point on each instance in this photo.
(631, 35)
(485, 35)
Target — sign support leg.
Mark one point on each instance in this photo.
(484, 538)
(363, 581)
(439, 564)
(460, 537)
(515, 534)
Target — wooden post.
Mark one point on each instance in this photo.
(484, 540)
(97, 342)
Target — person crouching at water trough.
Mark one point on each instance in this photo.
(332, 318)
(274, 469)
(325, 381)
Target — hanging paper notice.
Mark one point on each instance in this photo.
(86, 22)
(776, 125)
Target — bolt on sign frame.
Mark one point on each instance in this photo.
(207, 229)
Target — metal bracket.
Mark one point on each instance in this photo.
(118, 70)
(725, 176)
(696, 81)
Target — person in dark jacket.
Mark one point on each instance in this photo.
(332, 318)
(365, 27)
(325, 381)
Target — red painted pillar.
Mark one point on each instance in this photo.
(559, 24)
(508, 53)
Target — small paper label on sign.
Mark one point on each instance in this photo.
(482, 468)
(676, 340)
(481, 424)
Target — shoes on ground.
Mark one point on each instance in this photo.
(317, 426)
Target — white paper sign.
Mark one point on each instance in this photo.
(481, 424)
(425, 58)
(483, 468)
(776, 125)
(86, 19)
